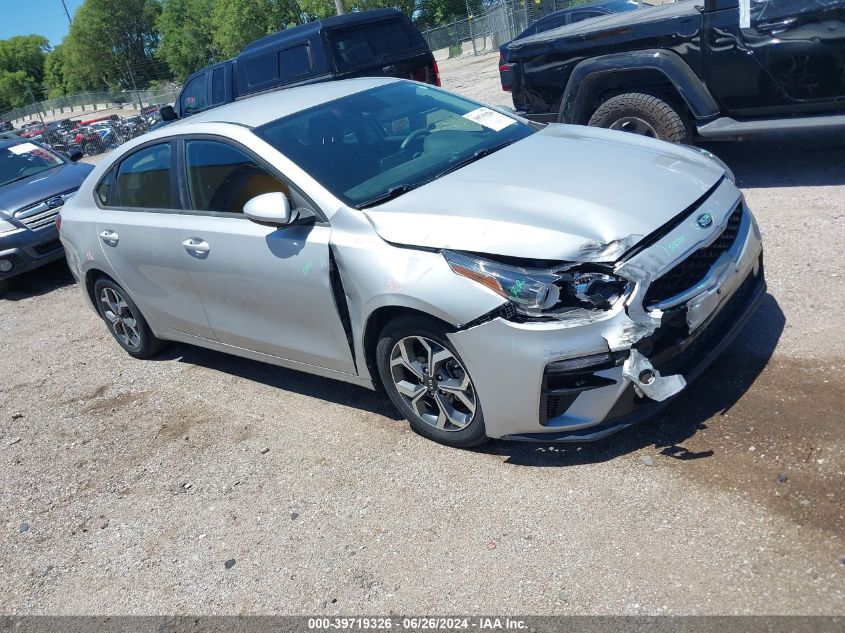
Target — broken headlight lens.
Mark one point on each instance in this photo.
(539, 292)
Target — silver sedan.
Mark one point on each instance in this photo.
(495, 277)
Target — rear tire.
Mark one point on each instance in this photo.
(642, 114)
(124, 320)
(437, 394)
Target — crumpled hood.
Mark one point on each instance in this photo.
(30, 190)
(568, 193)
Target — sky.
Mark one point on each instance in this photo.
(41, 17)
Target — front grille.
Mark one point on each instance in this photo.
(694, 268)
(680, 359)
(46, 247)
(39, 215)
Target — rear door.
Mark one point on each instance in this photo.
(390, 47)
(138, 231)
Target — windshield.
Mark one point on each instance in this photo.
(26, 159)
(376, 144)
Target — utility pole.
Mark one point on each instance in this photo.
(38, 109)
(134, 85)
(67, 13)
(338, 5)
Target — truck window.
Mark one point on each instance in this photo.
(194, 96)
(369, 43)
(218, 86)
(294, 62)
(261, 70)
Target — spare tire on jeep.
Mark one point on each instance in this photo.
(642, 114)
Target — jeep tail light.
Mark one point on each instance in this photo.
(436, 74)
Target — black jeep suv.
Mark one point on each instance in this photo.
(715, 68)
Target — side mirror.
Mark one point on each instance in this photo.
(270, 209)
(74, 154)
(168, 113)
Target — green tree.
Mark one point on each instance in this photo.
(13, 89)
(55, 82)
(105, 36)
(21, 66)
(186, 35)
(236, 23)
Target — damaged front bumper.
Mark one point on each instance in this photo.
(583, 379)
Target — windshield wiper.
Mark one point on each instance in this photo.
(393, 192)
(478, 155)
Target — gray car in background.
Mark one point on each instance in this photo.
(35, 182)
(496, 278)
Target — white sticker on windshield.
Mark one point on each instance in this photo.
(489, 118)
(745, 14)
(23, 148)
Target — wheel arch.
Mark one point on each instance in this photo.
(92, 275)
(621, 72)
(376, 322)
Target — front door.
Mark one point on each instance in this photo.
(801, 46)
(787, 58)
(264, 288)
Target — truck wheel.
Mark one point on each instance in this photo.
(642, 114)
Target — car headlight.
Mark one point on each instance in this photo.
(542, 292)
(728, 172)
(7, 227)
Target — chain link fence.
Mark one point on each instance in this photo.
(499, 23)
(78, 105)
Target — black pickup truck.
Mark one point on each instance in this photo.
(712, 68)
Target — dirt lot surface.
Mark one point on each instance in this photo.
(203, 483)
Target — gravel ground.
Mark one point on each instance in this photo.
(202, 483)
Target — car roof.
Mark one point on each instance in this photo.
(262, 108)
(609, 5)
(309, 28)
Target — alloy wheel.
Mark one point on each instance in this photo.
(634, 125)
(120, 318)
(433, 383)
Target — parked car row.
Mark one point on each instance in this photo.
(91, 136)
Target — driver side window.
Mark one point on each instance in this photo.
(222, 178)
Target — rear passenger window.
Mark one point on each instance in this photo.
(261, 69)
(143, 179)
(104, 187)
(218, 86)
(369, 43)
(222, 178)
(294, 62)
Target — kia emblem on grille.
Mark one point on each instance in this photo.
(704, 220)
(55, 202)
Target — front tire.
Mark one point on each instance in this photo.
(428, 382)
(642, 114)
(124, 320)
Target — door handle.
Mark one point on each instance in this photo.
(196, 245)
(109, 237)
(389, 70)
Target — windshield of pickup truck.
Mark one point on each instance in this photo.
(23, 160)
(374, 145)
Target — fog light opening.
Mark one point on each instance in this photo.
(6, 265)
(646, 376)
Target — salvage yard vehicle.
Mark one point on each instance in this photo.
(34, 184)
(483, 270)
(718, 69)
(557, 19)
(375, 43)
